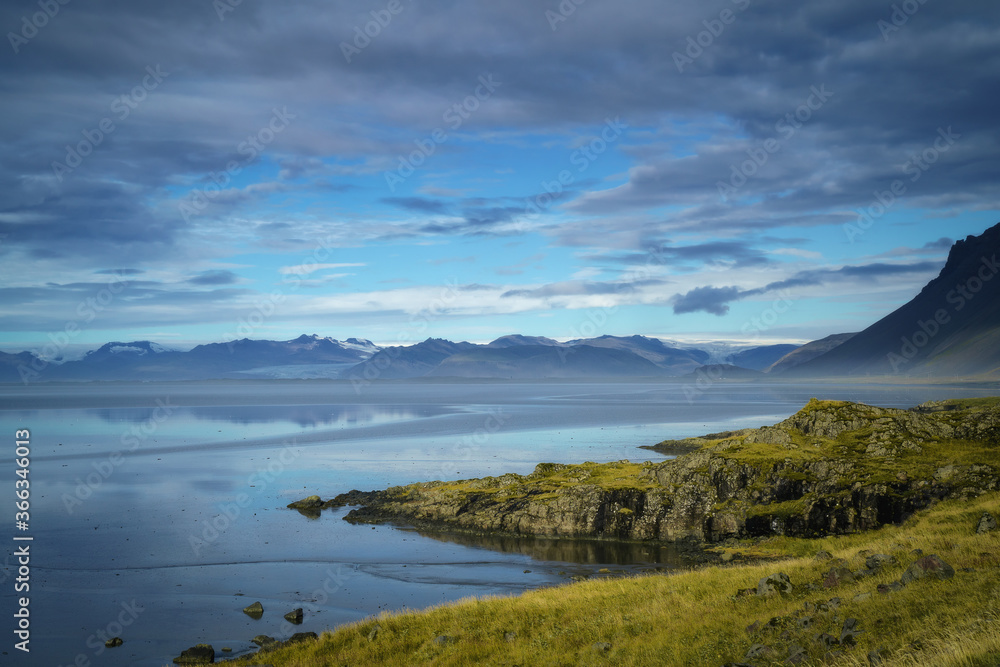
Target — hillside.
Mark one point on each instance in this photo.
(145, 360)
(807, 352)
(761, 357)
(545, 361)
(845, 604)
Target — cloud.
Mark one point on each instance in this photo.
(943, 243)
(418, 204)
(307, 269)
(716, 300)
(581, 288)
(321, 179)
(712, 300)
(120, 272)
(214, 278)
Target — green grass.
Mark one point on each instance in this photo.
(549, 478)
(692, 618)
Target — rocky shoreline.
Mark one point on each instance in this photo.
(832, 468)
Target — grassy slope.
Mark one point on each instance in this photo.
(692, 618)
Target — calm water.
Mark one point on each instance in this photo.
(158, 510)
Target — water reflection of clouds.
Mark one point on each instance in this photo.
(303, 416)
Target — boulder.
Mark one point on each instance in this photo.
(310, 503)
(299, 637)
(849, 631)
(774, 584)
(261, 640)
(797, 654)
(837, 576)
(878, 561)
(929, 566)
(987, 522)
(255, 611)
(200, 654)
(114, 642)
(294, 616)
(758, 651)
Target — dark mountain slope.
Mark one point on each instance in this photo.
(951, 328)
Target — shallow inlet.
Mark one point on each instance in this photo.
(190, 522)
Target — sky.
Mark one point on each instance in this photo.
(744, 170)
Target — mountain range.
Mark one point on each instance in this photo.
(950, 329)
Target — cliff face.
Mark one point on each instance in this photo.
(832, 467)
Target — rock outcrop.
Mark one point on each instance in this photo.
(833, 467)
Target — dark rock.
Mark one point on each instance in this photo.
(805, 621)
(823, 556)
(114, 642)
(295, 616)
(256, 610)
(827, 640)
(834, 603)
(753, 627)
(758, 651)
(796, 654)
(310, 503)
(261, 640)
(878, 561)
(837, 576)
(200, 654)
(774, 584)
(917, 552)
(603, 647)
(849, 632)
(227, 649)
(300, 637)
(780, 622)
(929, 566)
(987, 522)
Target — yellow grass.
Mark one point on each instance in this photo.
(693, 618)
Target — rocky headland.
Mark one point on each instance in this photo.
(832, 468)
